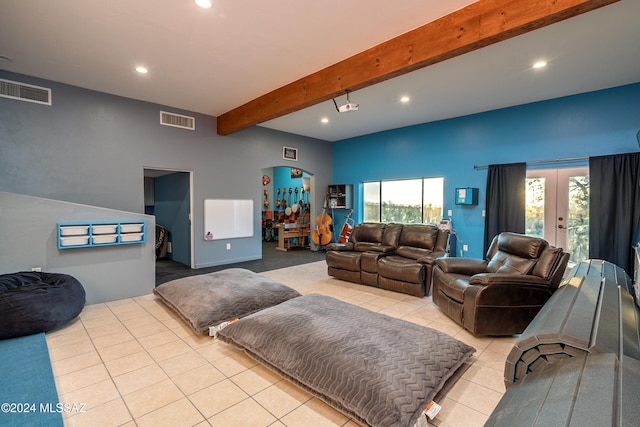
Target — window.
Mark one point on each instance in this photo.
(407, 201)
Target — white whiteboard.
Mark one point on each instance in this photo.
(227, 219)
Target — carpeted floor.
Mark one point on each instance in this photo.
(28, 395)
(272, 259)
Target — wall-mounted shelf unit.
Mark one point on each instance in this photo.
(93, 234)
(341, 196)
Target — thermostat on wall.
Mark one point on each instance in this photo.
(466, 196)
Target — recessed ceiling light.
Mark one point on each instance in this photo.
(142, 70)
(324, 120)
(540, 64)
(405, 99)
(205, 4)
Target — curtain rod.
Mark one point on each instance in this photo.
(537, 162)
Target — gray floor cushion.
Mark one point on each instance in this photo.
(207, 300)
(380, 370)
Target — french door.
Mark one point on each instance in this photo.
(558, 208)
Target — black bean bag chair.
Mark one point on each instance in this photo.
(33, 302)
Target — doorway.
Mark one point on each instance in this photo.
(286, 194)
(169, 197)
(558, 208)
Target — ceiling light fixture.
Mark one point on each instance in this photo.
(405, 99)
(205, 4)
(540, 64)
(142, 70)
(324, 120)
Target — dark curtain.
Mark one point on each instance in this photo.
(614, 207)
(506, 201)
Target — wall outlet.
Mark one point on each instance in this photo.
(169, 249)
(465, 248)
(449, 213)
(228, 246)
(484, 213)
(36, 269)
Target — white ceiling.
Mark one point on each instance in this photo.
(211, 61)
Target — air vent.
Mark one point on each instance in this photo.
(24, 92)
(177, 120)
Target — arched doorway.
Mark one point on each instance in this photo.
(286, 207)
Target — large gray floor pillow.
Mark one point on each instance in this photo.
(207, 300)
(34, 302)
(379, 370)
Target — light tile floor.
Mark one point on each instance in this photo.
(133, 362)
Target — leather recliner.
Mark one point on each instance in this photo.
(502, 294)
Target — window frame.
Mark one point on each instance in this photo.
(380, 215)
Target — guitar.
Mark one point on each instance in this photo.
(322, 234)
(347, 228)
(288, 210)
(283, 202)
(278, 199)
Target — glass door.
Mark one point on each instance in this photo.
(558, 208)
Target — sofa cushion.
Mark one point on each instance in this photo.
(344, 260)
(507, 263)
(370, 232)
(391, 235)
(548, 262)
(521, 245)
(419, 236)
(401, 268)
(412, 252)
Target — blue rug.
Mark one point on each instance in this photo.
(28, 395)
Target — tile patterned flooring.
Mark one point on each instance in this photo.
(133, 362)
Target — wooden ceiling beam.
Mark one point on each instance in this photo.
(480, 24)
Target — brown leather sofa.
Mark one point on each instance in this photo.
(502, 294)
(392, 256)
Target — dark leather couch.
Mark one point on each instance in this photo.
(392, 256)
(502, 294)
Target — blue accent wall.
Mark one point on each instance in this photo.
(590, 124)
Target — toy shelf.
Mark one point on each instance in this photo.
(93, 234)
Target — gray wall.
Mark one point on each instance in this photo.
(28, 226)
(91, 148)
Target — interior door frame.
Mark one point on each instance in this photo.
(159, 171)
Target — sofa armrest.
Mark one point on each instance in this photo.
(383, 249)
(431, 259)
(340, 246)
(466, 266)
(494, 279)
